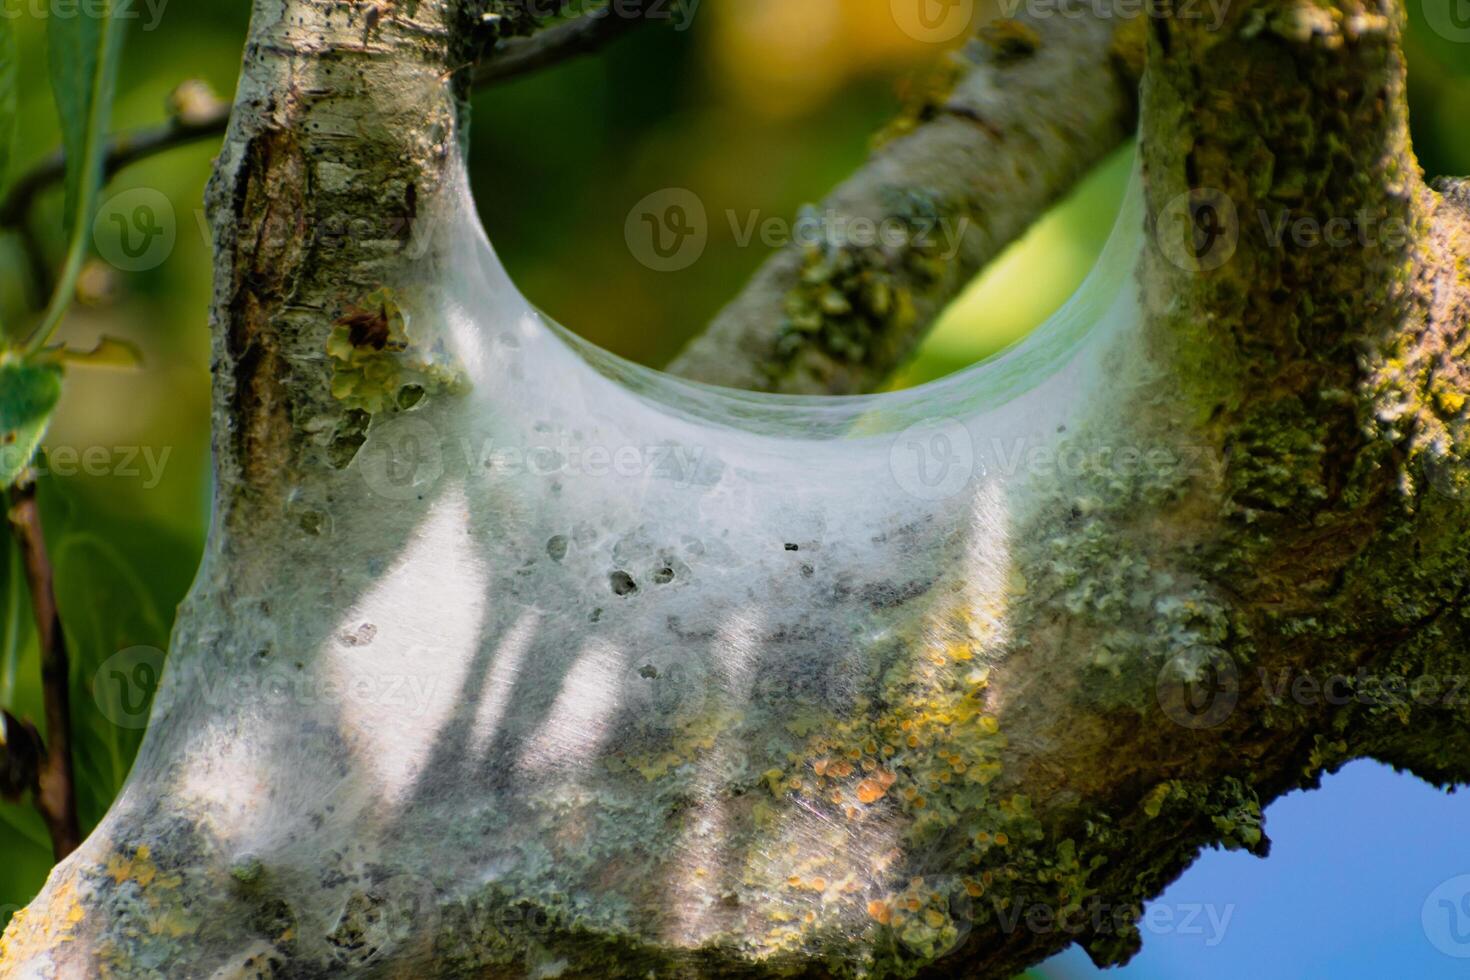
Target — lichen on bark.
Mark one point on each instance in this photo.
(1262, 478)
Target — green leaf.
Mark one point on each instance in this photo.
(82, 52)
(28, 395)
(9, 95)
(83, 72)
(110, 352)
(108, 605)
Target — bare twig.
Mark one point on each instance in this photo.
(122, 150)
(509, 59)
(515, 57)
(55, 788)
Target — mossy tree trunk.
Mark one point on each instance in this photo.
(1305, 300)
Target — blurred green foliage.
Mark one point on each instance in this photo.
(759, 108)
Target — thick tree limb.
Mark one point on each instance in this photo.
(1034, 730)
(54, 787)
(1021, 114)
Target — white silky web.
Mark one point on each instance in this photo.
(605, 653)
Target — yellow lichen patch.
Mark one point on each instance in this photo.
(814, 884)
(34, 932)
(138, 867)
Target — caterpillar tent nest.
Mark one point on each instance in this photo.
(571, 668)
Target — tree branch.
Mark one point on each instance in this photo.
(515, 57)
(511, 59)
(55, 788)
(1027, 718)
(122, 150)
(1021, 114)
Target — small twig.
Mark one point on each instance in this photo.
(520, 56)
(510, 59)
(122, 150)
(55, 788)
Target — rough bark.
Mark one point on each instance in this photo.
(1009, 126)
(1311, 524)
